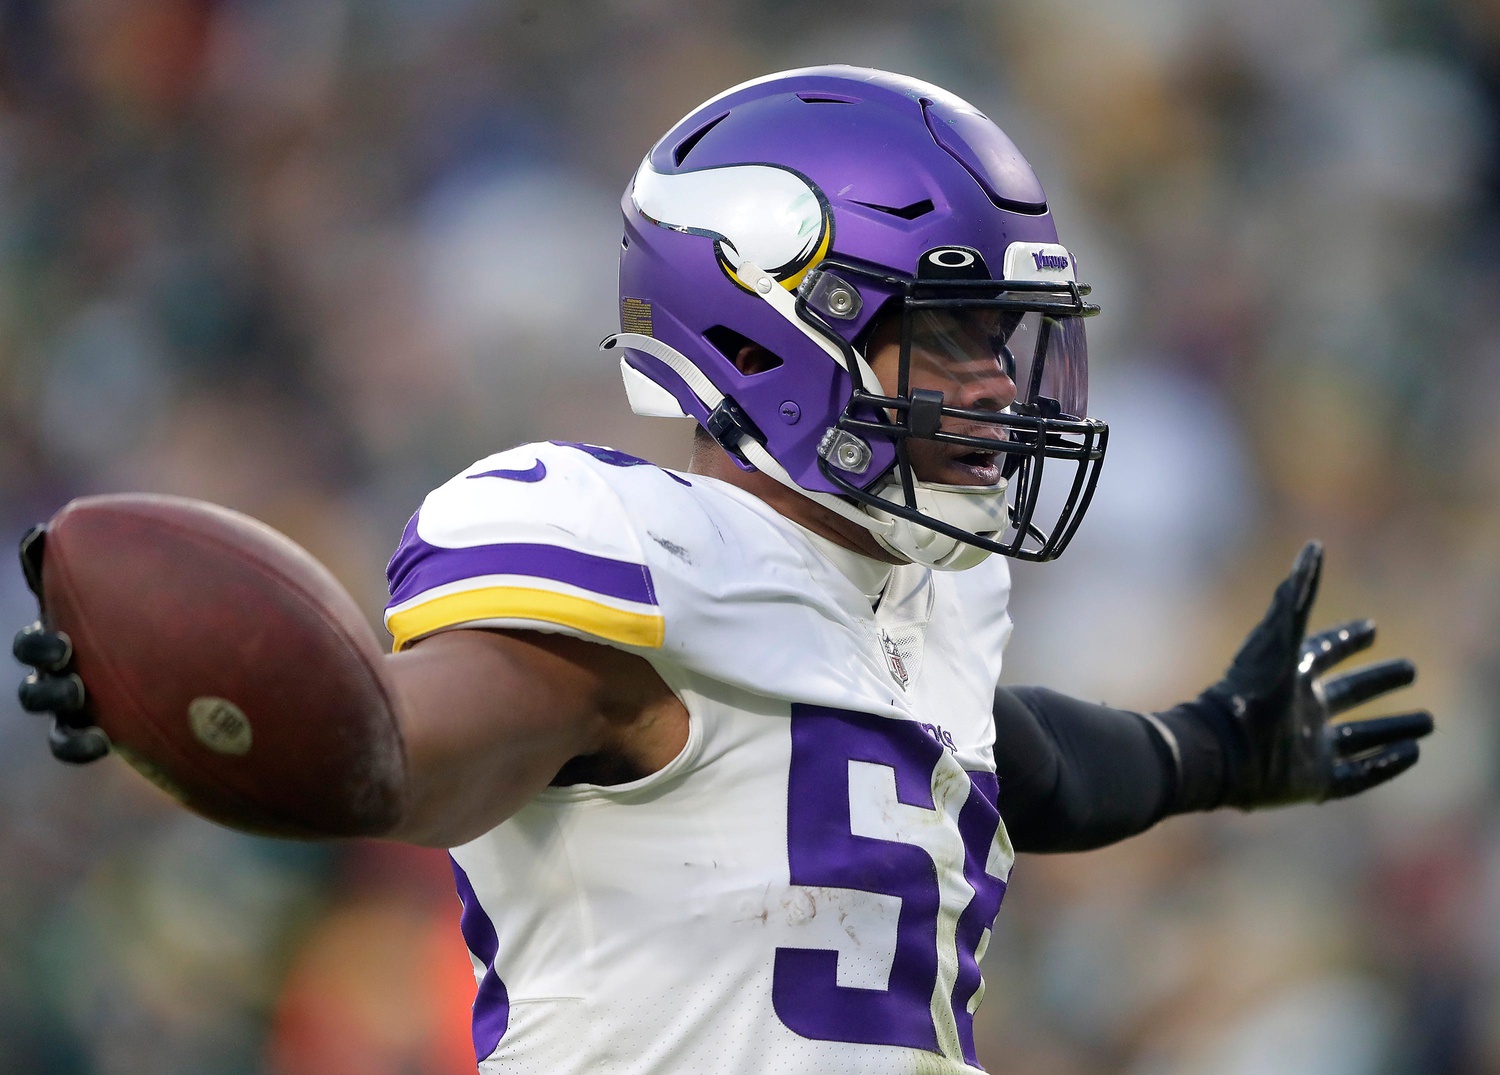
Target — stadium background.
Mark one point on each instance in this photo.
(309, 257)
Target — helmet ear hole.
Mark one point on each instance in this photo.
(891, 307)
(746, 355)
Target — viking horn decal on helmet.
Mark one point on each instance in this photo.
(758, 212)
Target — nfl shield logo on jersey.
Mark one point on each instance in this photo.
(894, 658)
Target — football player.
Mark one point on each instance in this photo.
(719, 754)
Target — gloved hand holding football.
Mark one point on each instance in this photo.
(53, 687)
(216, 657)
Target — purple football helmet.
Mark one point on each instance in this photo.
(795, 212)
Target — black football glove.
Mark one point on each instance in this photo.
(1277, 706)
(53, 687)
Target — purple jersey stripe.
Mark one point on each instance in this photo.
(418, 567)
(405, 554)
(491, 1002)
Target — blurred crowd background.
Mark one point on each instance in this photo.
(309, 257)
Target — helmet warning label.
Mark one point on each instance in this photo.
(635, 316)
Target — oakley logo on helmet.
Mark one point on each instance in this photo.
(952, 258)
(952, 263)
(760, 213)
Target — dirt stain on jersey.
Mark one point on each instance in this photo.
(848, 929)
(672, 548)
(949, 782)
(799, 905)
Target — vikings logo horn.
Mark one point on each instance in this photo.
(756, 212)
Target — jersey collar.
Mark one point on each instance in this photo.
(868, 576)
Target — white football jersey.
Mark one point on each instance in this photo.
(810, 884)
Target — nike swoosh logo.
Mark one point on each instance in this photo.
(535, 473)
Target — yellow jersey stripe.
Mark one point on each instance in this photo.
(520, 603)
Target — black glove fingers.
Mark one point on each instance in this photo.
(1353, 775)
(31, 558)
(1357, 736)
(1274, 643)
(77, 746)
(51, 694)
(1352, 688)
(44, 650)
(72, 738)
(1306, 574)
(1327, 648)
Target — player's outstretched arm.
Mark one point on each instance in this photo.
(491, 717)
(486, 719)
(1075, 775)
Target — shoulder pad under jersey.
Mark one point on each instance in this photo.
(534, 537)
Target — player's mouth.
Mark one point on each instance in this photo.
(972, 468)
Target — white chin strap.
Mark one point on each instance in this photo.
(978, 509)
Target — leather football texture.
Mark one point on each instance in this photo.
(226, 665)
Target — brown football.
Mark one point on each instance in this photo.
(226, 665)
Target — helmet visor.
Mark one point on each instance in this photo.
(1049, 359)
(990, 390)
(1043, 356)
